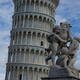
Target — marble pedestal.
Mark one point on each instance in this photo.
(61, 78)
(59, 73)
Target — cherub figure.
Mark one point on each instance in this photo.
(74, 46)
(59, 37)
(68, 54)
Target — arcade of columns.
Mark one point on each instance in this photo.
(33, 20)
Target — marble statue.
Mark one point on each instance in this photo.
(58, 39)
(64, 46)
(74, 46)
(58, 46)
(68, 54)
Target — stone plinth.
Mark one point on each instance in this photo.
(61, 78)
(61, 73)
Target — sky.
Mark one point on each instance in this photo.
(68, 10)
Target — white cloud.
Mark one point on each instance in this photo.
(5, 17)
(3, 51)
(2, 76)
(4, 1)
(77, 34)
(77, 65)
(6, 14)
(3, 46)
(3, 35)
(59, 19)
(69, 10)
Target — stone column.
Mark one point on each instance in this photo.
(23, 20)
(21, 38)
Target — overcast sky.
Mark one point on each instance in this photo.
(68, 10)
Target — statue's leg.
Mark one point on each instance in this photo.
(47, 59)
(53, 60)
(54, 48)
(65, 60)
(48, 49)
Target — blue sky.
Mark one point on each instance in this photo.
(68, 10)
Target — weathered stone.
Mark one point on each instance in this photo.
(61, 78)
(61, 73)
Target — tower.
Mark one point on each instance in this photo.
(32, 21)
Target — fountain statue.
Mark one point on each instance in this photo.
(63, 46)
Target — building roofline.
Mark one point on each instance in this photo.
(54, 1)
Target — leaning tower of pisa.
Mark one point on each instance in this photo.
(32, 21)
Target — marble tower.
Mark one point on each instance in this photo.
(32, 21)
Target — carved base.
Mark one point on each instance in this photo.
(62, 73)
(61, 78)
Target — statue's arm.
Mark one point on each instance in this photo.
(57, 36)
(70, 38)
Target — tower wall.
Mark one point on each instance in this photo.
(33, 20)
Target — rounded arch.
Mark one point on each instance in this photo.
(49, 5)
(32, 2)
(41, 3)
(23, 1)
(20, 33)
(25, 68)
(46, 53)
(40, 18)
(12, 68)
(24, 33)
(48, 20)
(18, 50)
(37, 51)
(26, 16)
(30, 68)
(47, 36)
(35, 69)
(35, 17)
(43, 35)
(14, 50)
(22, 50)
(41, 52)
(16, 67)
(44, 70)
(32, 50)
(29, 33)
(34, 34)
(28, 2)
(21, 17)
(45, 4)
(31, 17)
(20, 67)
(40, 69)
(44, 19)
(37, 2)
(27, 50)
(38, 34)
